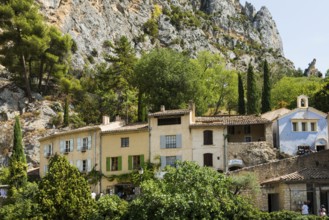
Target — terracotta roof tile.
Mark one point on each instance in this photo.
(302, 175)
(130, 127)
(171, 112)
(230, 120)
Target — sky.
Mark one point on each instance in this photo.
(304, 28)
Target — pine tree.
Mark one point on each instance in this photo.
(266, 94)
(17, 163)
(241, 106)
(251, 92)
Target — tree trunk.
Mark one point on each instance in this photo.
(26, 79)
(40, 75)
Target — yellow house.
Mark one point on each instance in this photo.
(80, 146)
(123, 150)
(170, 136)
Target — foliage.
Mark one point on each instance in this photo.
(57, 119)
(22, 204)
(63, 192)
(216, 85)
(321, 98)
(180, 18)
(4, 175)
(31, 48)
(17, 162)
(241, 105)
(66, 112)
(266, 93)
(110, 207)
(252, 93)
(289, 88)
(189, 192)
(165, 77)
(247, 185)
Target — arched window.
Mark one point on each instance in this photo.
(207, 137)
(207, 160)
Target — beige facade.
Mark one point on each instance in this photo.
(80, 147)
(123, 150)
(208, 153)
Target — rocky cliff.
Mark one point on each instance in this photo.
(240, 33)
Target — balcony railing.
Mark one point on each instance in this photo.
(84, 149)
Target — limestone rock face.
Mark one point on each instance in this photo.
(230, 29)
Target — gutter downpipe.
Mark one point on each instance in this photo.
(100, 158)
(225, 151)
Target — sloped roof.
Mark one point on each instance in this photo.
(272, 115)
(130, 127)
(170, 112)
(311, 109)
(229, 120)
(68, 131)
(302, 175)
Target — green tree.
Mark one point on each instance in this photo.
(289, 88)
(241, 105)
(110, 207)
(216, 85)
(189, 192)
(252, 96)
(63, 192)
(165, 77)
(29, 47)
(66, 112)
(321, 98)
(17, 162)
(266, 94)
(22, 205)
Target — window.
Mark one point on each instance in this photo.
(48, 150)
(247, 139)
(113, 163)
(84, 144)
(135, 162)
(207, 160)
(84, 165)
(247, 129)
(207, 137)
(45, 169)
(294, 126)
(230, 130)
(66, 146)
(304, 126)
(313, 126)
(171, 161)
(125, 142)
(171, 141)
(169, 121)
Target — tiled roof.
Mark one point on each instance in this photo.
(302, 175)
(272, 115)
(70, 131)
(130, 127)
(230, 120)
(171, 112)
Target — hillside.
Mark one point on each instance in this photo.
(240, 33)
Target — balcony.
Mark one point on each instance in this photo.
(67, 151)
(48, 155)
(84, 149)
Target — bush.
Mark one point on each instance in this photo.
(57, 120)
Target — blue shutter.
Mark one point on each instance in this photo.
(45, 150)
(162, 141)
(178, 141)
(79, 145)
(179, 157)
(163, 162)
(62, 146)
(88, 165)
(89, 142)
(71, 145)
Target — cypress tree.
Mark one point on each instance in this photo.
(17, 163)
(251, 91)
(241, 106)
(66, 112)
(266, 94)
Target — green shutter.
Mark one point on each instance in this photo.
(142, 160)
(119, 163)
(130, 164)
(108, 164)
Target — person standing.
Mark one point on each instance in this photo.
(323, 211)
(305, 209)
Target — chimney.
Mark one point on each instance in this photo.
(106, 120)
(191, 107)
(162, 108)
